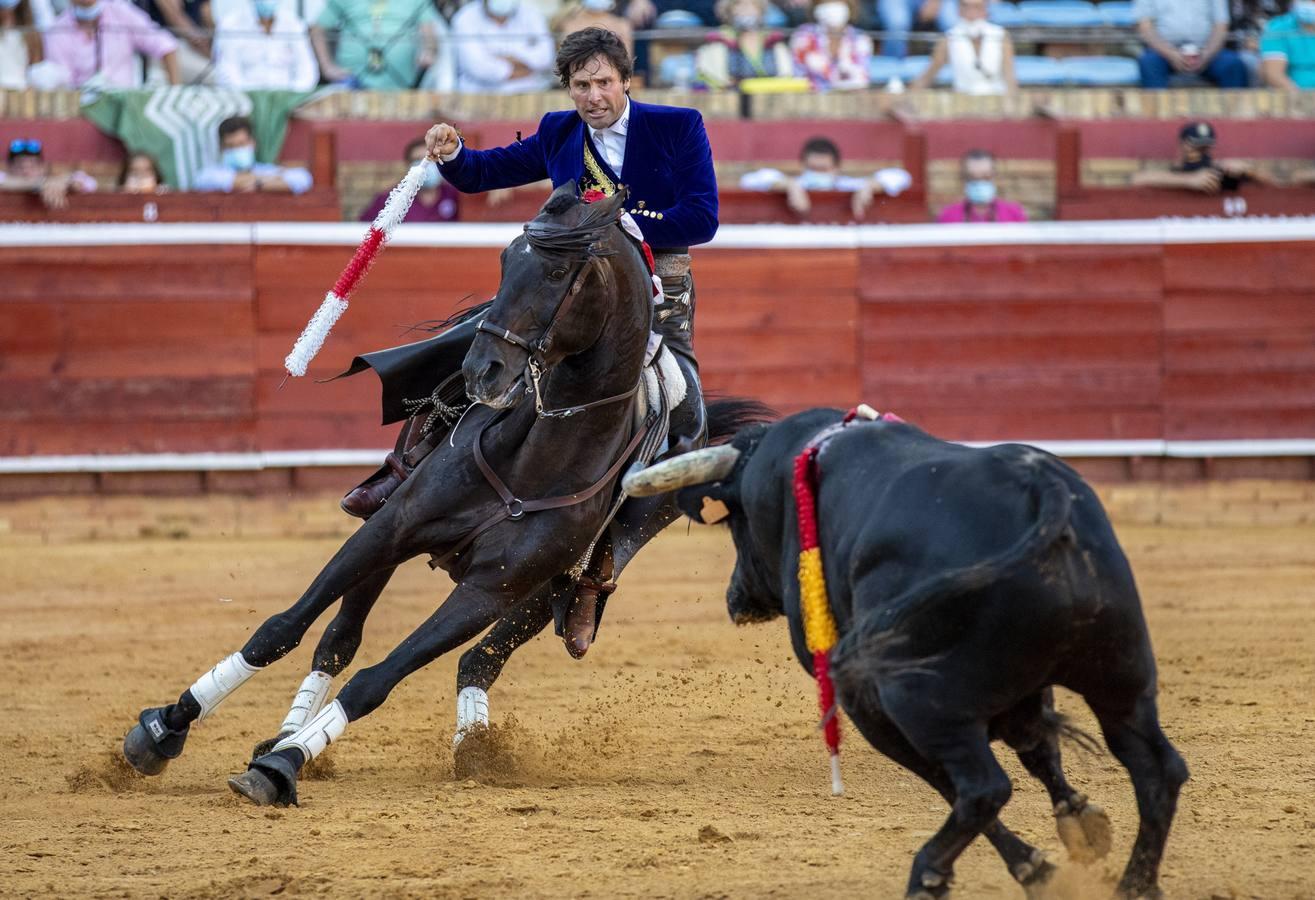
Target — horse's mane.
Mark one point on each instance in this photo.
(585, 237)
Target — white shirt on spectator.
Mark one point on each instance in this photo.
(248, 59)
(977, 71)
(611, 141)
(220, 178)
(482, 43)
(1182, 21)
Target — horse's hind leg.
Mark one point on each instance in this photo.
(273, 777)
(161, 731)
(335, 651)
(1157, 772)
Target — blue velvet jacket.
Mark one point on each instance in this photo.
(668, 168)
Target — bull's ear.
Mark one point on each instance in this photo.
(706, 504)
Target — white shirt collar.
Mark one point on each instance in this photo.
(619, 127)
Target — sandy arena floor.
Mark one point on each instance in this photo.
(680, 759)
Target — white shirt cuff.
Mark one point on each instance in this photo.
(454, 154)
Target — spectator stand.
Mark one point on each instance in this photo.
(1075, 200)
(320, 204)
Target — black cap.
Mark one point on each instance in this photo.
(1200, 134)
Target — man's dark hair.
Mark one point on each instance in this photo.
(579, 47)
(821, 145)
(975, 154)
(418, 142)
(234, 124)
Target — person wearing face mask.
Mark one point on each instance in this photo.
(437, 201)
(238, 172)
(584, 14)
(1287, 48)
(832, 53)
(980, 202)
(20, 43)
(1186, 37)
(96, 42)
(980, 54)
(262, 45)
(1197, 169)
(899, 17)
(742, 48)
(382, 45)
(503, 47)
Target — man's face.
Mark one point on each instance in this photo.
(599, 92)
(1192, 152)
(27, 166)
(979, 170)
(416, 154)
(235, 139)
(822, 163)
(972, 10)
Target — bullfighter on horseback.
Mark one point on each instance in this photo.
(661, 155)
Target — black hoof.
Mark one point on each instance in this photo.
(140, 751)
(256, 786)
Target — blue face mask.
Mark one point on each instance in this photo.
(87, 13)
(810, 180)
(240, 159)
(1304, 10)
(432, 178)
(266, 9)
(979, 192)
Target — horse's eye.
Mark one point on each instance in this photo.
(557, 274)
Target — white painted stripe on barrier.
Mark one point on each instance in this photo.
(287, 459)
(768, 237)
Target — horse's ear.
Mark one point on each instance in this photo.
(615, 204)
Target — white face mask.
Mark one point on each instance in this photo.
(598, 5)
(501, 8)
(833, 14)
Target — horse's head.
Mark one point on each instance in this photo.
(548, 305)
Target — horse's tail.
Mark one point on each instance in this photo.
(727, 415)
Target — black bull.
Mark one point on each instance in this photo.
(965, 583)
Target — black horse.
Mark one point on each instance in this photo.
(510, 504)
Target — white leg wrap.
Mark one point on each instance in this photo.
(227, 676)
(318, 733)
(472, 712)
(309, 700)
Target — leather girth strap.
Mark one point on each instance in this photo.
(514, 508)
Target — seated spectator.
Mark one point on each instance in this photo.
(981, 202)
(382, 45)
(141, 175)
(27, 171)
(1196, 168)
(503, 47)
(239, 173)
(1186, 37)
(645, 13)
(584, 14)
(20, 43)
(743, 48)
(437, 200)
(190, 21)
(96, 42)
(820, 158)
(980, 54)
(263, 45)
(898, 18)
(1287, 48)
(832, 53)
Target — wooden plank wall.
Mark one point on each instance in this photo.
(152, 349)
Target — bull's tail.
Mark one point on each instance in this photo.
(727, 415)
(871, 648)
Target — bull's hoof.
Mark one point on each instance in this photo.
(141, 752)
(270, 781)
(151, 743)
(1085, 830)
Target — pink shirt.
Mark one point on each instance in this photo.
(122, 31)
(999, 211)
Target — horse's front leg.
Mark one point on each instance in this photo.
(161, 731)
(468, 610)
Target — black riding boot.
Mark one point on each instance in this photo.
(674, 320)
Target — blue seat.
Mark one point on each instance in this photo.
(678, 18)
(1117, 13)
(1059, 13)
(677, 69)
(1005, 14)
(913, 66)
(1100, 71)
(1038, 70)
(883, 68)
(774, 18)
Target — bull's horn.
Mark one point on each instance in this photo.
(696, 467)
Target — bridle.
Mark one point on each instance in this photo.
(536, 363)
